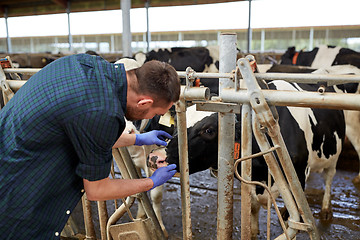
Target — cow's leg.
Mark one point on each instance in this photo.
(326, 210)
(352, 119)
(255, 209)
(156, 197)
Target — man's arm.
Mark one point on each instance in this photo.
(107, 189)
(125, 139)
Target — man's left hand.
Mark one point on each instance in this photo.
(157, 137)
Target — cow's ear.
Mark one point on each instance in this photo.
(145, 103)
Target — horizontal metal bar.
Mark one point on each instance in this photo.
(346, 101)
(195, 93)
(206, 75)
(309, 78)
(15, 84)
(22, 70)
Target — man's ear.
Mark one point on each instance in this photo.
(145, 103)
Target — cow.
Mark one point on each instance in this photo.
(201, 59)
(352, 118)
(323, 56)
(314, 139)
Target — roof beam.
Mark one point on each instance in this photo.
(62, 3)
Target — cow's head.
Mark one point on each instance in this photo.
(202, 145)
(287, 57)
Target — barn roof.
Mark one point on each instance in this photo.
(39, 7)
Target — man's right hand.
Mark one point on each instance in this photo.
(163, 174)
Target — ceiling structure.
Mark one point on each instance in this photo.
(15, 8)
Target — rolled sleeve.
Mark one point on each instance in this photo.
(93, 134)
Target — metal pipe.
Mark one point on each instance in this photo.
(277, 174)
(89, 225)
(22, 70)
(8, 39)
(249, 36)
(195, 93)
(226, 143)
(126, 34)
(148, 34)
(182, 74)
(246, 166)
(69, 32)
(331, 79)
(347, 101)
(103, 218)
(184, 168)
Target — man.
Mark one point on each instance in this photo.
(57, 134)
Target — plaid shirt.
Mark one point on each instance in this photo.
(58, 129)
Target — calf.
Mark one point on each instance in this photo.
(313, 137)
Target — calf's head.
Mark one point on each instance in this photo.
(202, 145)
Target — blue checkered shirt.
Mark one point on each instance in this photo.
(58, 129)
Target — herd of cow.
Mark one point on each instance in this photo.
(314, 137)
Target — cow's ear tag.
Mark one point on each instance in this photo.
(167, 119)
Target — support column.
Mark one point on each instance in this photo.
(126, 35)
(69, 31)
(226, 143)
(8, 40)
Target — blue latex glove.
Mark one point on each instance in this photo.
(152, 137)
(161, 175)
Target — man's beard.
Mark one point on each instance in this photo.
(134, 114)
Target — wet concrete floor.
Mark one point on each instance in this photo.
(345, 204)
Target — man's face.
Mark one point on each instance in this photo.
(133, 113)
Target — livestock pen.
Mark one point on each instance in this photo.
(228, 103)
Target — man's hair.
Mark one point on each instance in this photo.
(158, 80)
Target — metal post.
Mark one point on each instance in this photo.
(70, 36)
(246, 150)
(148, 34)
(184, 169)
(311, 39)
(126, 35)
(226, 143)
(8, 40)
(89, 225)
(249, 30)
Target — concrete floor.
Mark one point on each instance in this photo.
(345, 201)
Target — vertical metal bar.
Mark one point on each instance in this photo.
(249, 30)
(70, 36)
(126, 35)
(8, 39)
(246, 150)
(226, 143)
(148, 34)
(311, 39)
(103, 218)
(89, 225)
(184, 169)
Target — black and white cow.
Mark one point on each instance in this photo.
(352, 118)
(201, 59)
(314, 139)
(323, 56)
